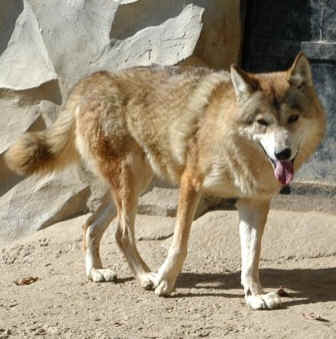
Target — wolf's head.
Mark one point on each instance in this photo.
(281, 114)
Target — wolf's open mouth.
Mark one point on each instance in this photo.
(283, 169)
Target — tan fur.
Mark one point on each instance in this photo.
(201, 129)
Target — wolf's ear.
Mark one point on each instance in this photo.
(300, 73)
(243, 85)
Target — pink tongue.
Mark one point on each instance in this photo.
(284, 171)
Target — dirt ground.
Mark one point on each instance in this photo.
(299, 254)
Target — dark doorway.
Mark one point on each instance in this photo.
(275, 32)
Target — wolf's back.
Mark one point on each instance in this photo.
(45, 151)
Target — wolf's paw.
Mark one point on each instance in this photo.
(263, 301)
(162, 286)
(148, 280)
(102, 275)
(165, 287)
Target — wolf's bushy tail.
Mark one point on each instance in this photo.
(45, 151)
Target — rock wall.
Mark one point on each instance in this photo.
(45, 47)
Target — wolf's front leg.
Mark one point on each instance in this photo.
(253, 215)
(188, 201)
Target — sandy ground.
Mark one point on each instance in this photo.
(299, 253)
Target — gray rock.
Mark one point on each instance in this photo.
(163, 201)
(154, 227)
(24, 42)
(167, 43)
(36, 203)
(159, 201)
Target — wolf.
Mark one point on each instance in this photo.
(229, 134)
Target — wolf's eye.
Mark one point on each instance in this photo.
(262, 122)
(293, 118)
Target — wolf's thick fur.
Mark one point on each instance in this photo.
(46, 151)
(235, 135)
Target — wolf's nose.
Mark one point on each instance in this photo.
(284, 154)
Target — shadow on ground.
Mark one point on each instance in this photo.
(305, 286)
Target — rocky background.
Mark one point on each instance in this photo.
(45, 47)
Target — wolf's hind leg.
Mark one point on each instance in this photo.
(131, 178)
(253, 215)
(126, 241)
(93, 231)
